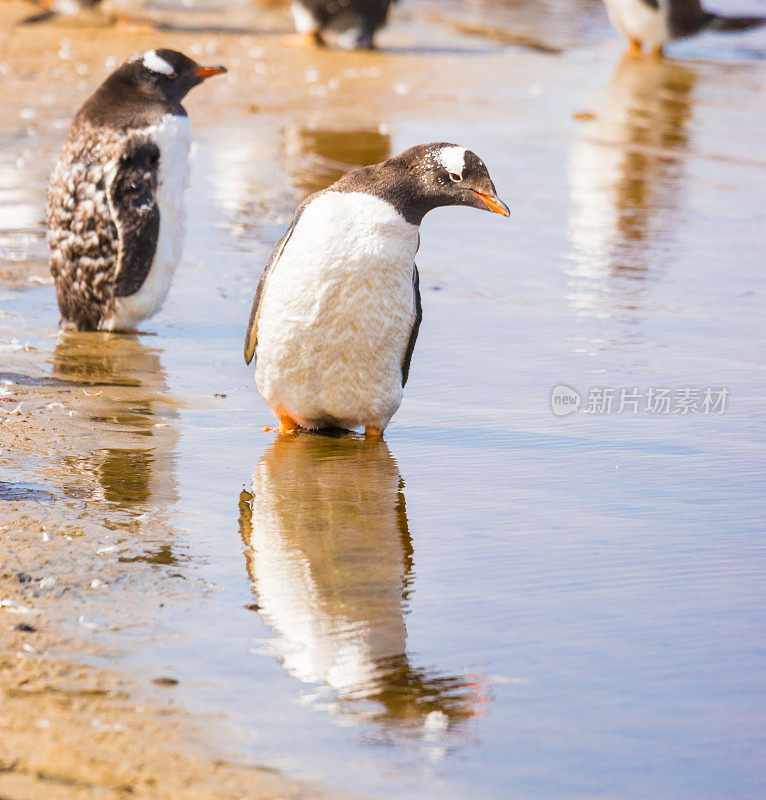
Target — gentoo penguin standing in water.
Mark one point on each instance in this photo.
(55, 8)
(115, 203)
(354, 21)
(337, 308)
(651, 24)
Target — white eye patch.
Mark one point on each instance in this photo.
(452, 159)
(156, 64)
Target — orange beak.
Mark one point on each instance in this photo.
(208, 72)
(493, 204)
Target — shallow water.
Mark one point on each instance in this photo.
(496, 601)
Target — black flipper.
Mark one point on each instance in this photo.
(734, 24)
(685, 17)
(415, 327)
(135, 213)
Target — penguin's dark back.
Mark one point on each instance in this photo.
(372, 11)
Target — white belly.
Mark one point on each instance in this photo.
(173, 137)
(639, 21)
(337, 313)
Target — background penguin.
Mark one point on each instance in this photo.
(55, 8)
(356, 21)
(651, 24)
(91, 12)
(115, 204)
(337, 309)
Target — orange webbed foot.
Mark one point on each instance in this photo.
(287, 426)
(305, 40)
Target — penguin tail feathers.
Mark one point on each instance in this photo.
(733, 24)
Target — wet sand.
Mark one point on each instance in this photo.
(71, 731)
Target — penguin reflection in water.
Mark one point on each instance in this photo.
(337, 308)
(124, 397)
(115, 204)
(329, 556)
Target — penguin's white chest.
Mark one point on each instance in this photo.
(638, 20)
(337, 313)
(172, 135)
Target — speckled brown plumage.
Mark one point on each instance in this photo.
(110, 265)
(81, 232)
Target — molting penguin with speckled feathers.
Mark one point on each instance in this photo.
(337, 308)
(651, 24)
(354, 22)
(116, 199)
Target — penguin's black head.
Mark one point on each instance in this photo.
(166, 75)
(452, 175)
(432, 175)
(143, 89)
